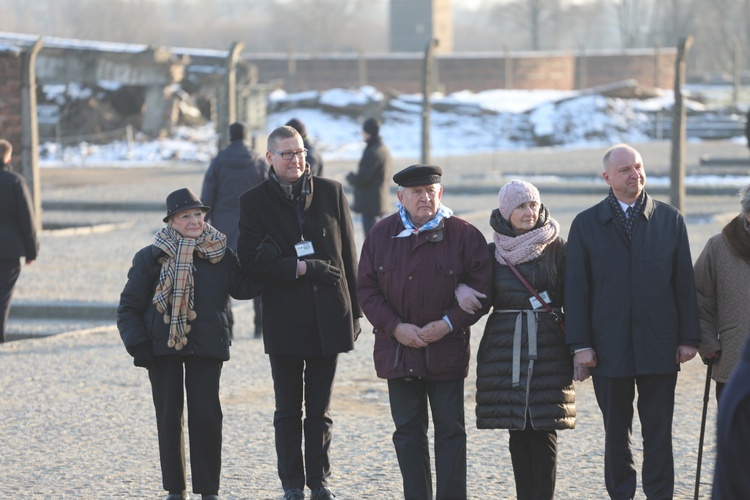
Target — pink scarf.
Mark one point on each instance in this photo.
(527, 246)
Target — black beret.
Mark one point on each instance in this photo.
(418, 175)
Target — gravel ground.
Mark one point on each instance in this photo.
(76, 418)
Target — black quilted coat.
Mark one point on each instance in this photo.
(544, 390)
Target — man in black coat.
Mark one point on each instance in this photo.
(370, 182)
(17, 229)
(631, 316)
(296, 236)
(234, 170)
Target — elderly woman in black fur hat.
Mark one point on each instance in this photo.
(172, 320)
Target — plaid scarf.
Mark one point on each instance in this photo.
(629, 220)
(443, 212)
(174, 291)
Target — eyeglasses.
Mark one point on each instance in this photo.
(288, 155)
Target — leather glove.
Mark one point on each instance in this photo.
(322, 271)
(357, 329)
(142, 356)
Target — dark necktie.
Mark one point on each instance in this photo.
(629, 219)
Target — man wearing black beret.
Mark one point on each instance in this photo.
(410, 265)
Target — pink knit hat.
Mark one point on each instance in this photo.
(516, 193)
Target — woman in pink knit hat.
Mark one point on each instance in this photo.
(524, 368)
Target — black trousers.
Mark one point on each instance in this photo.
(298, 378)
(409, 399)
(534, 456)
(655, 410)
(10, 269)
(201, 381)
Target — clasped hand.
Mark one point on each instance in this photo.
(413, 336)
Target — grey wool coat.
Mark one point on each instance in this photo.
(543, 391)
(722, 279)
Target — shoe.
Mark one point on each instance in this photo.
(209, 497)
(294, 494)
(322, 493)
(178, 496)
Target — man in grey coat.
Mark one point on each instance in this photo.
(632, 317)
(235, 170)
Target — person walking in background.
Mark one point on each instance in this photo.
(232, 172)
(524, 367)
(722, 279)
(370, 181)
(410, 265)
(296, 236)
(172, 320)
(18, 229)
(313, 156)
(632, 318)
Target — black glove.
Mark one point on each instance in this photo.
(322, 271)
(142, 356)
(268, 251)
(357, 329)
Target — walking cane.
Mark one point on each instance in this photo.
(706, 393)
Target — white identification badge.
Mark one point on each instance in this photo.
(304, 248)
(535, 304)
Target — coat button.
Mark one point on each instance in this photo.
(410, 278)
(315, 288)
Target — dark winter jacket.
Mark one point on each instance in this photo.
(16, 217)
(313, 157)
(234, 170)
(543, 389)
(371, 180)
(413, 280)
(139, 321)
(302, 317)
(633, 301)
(731, 480)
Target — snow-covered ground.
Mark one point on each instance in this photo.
(462, 123)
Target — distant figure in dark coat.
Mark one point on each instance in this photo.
(370, 180)
(17, 229)
(235, 170)
(313, 156)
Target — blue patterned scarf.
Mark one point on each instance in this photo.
(443, 212)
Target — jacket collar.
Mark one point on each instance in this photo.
(304, 188)
(605, 210)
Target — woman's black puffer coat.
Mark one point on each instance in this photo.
(140, 322)
(545, 393)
